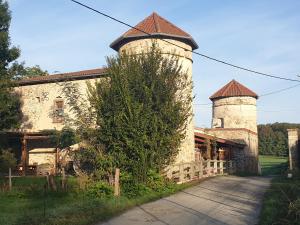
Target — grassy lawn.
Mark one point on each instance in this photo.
(281, 203)
(273, 165)
(29, 204)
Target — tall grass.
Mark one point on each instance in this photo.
(29, 203)
(281, 203)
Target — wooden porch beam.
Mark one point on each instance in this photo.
(24, 155)
(37, 137)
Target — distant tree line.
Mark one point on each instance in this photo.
(273, 138)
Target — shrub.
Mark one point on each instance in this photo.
(7, 160)
(131, 188)
(99, 190)
(294, 210)
(155, 181)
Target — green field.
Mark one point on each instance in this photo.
(272, 165)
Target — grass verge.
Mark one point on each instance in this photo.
(29, 204)
(281, 204)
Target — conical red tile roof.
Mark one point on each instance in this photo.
(232, 89)
(157, 27)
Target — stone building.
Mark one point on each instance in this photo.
(234, 118)
(44, 106)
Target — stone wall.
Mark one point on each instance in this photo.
(38, 104)
(187, 150)
(235, 112)
(294, 155)
(41, 156)
(247, 159)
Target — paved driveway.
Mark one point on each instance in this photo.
(220, 200)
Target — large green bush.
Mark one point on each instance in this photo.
(140, 112)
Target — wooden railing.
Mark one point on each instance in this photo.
(184, 172)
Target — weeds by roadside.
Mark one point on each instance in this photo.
(281, 203)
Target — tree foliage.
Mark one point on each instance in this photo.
(20, 71)
(141, 113)
(273, 138)
(10, 113)
(7, 160)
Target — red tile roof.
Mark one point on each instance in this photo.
(79, 75)
(233, 88)
(156, 26)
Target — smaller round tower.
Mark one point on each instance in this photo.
(234, 118)
(234, 106)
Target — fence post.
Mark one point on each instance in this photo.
(215, 167)
(221, 167)
(9, 179)
(192, 173)
(181, 172)
(208, 168)
(63, 182)
(117, 182)
(230, 169)
(200, 168)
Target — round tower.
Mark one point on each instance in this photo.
(234, 106)
(159, 30)
(234, 118)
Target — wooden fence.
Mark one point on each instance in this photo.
(184, 172)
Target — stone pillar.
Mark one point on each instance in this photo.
(293, 140)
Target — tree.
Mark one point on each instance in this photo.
(141, 112)
(273, 138)
(10, 113)
(20, 71)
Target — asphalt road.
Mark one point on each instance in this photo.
(220, 200)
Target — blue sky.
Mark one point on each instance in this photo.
(264, 35)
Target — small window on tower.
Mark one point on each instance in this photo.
(218, 123)
(221, 122)
(58, 116)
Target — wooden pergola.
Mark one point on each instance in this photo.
(201, 140)
(24, 137)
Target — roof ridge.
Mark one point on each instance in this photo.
(228, 87)
(156, 23)
(53, 77)
(238, 85)
(172, 25)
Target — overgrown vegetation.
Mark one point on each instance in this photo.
(84, 202)
(7, 160)
(273, 139)
(281, 203)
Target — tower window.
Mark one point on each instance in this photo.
(218, 123)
